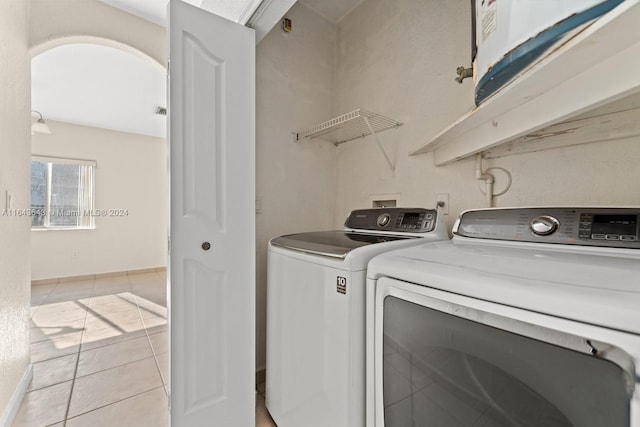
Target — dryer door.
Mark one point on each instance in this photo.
(445, 360)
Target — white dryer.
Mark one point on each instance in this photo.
(527, 317)
(315, 374)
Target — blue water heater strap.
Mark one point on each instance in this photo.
(525, 54)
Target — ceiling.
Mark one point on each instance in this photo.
(333, 10)
(234, 10)
(99, 86)
(156, 10)
(104, 87)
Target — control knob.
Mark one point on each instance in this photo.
(544, 225)
(383, 220)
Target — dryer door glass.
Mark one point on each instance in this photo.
(444, 370)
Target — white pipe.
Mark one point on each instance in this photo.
(489, 192)
(487, 178)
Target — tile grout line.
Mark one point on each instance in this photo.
(113, 403)
(153, 350)
(115, 367)
(44, 300)
(154, 356)
(93, 373)
(118, 342)
(81, 300)
(51, 339)
(75, 371)
(57, 356)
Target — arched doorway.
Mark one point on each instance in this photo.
(99, 331)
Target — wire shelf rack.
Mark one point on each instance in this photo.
(347, 127)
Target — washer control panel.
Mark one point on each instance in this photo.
(610, 227)
(412, 220)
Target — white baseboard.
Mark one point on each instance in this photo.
(10, 412)
(55, 280)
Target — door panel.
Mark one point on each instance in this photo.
(212, 227)
(203, 92)
(207, 361)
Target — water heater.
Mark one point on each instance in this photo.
(511, 35)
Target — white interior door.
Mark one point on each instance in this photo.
(212, 227)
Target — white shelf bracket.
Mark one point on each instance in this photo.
(353, 125)
(392, 164)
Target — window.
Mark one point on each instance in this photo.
(61, 193)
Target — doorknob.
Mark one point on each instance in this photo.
(206, 246)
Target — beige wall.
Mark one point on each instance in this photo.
(15, 289)
(131, 174)
(294, 182)
(63, 21)
(398, 58)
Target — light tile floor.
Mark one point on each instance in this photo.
(99, 351)
(263, 419)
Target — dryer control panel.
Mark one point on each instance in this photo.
(608, 227)
(412, 220)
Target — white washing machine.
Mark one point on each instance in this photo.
(316, 314)
(527, 317)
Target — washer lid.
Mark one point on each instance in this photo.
(335, 244)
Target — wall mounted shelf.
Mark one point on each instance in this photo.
(593, 69)
(347, 127)
(353, 125)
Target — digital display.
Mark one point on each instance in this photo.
(615, 224)
(411, 219)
